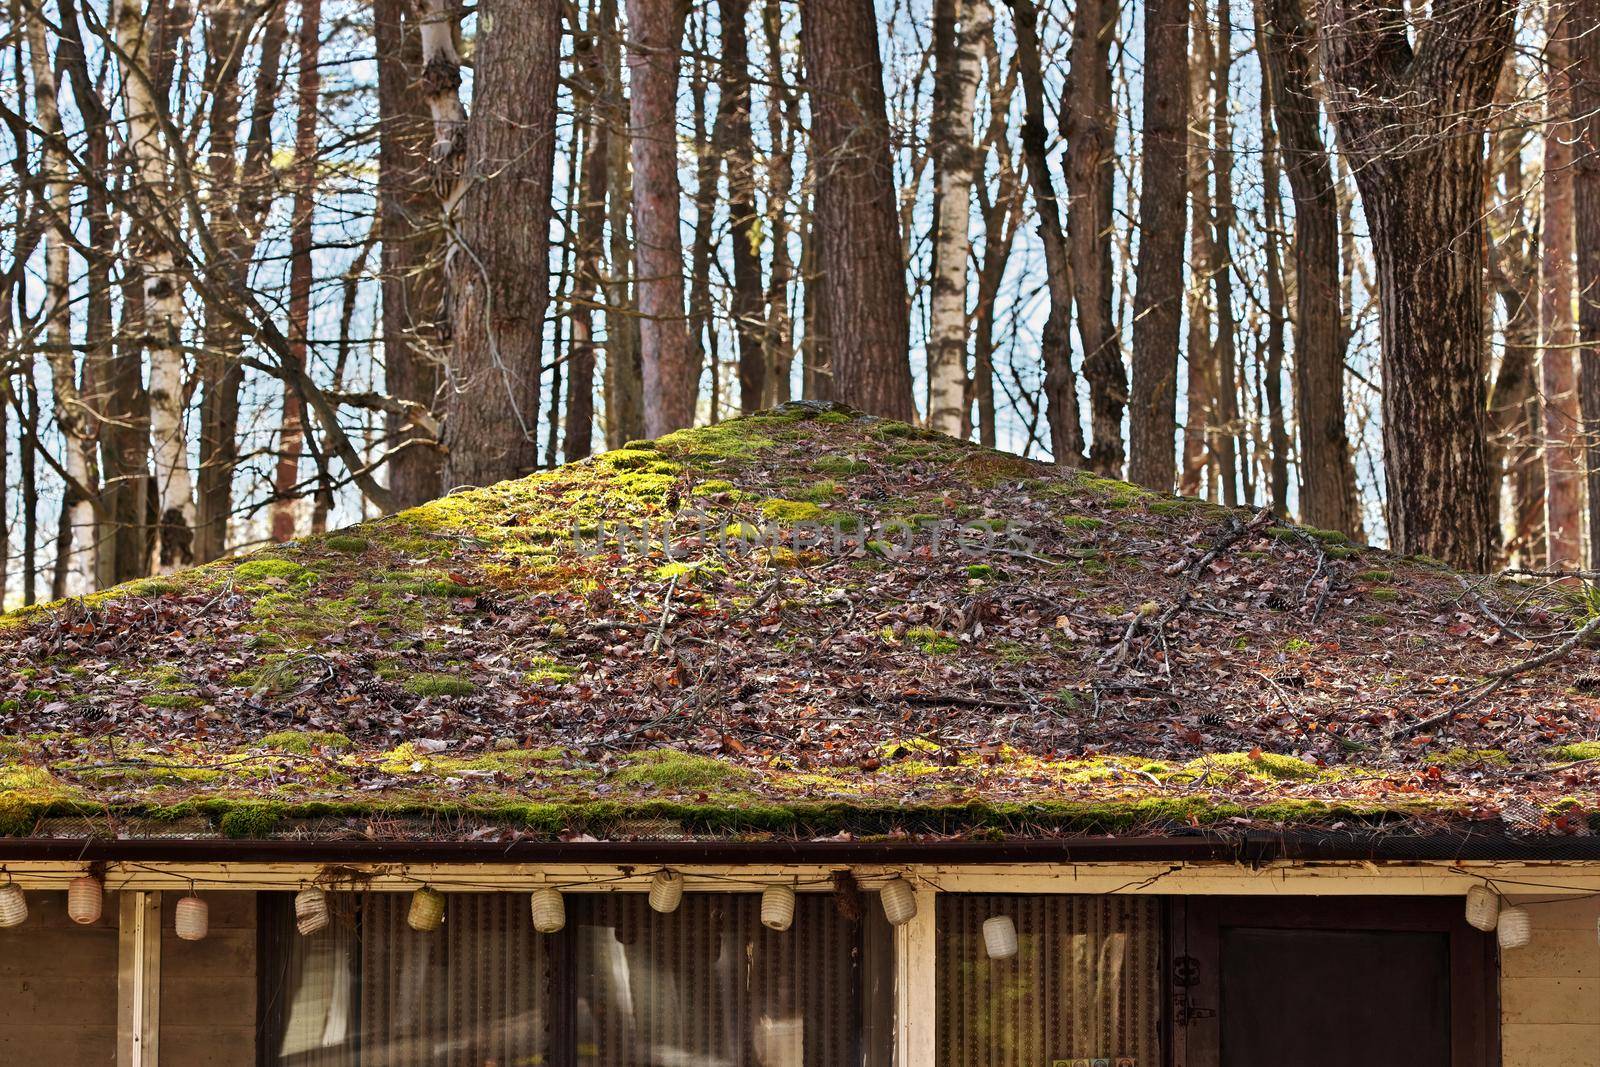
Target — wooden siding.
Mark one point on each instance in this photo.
(1550, 990)
(208, 988)
(58, 982)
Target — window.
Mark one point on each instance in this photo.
(621, 986)
(1084, 985)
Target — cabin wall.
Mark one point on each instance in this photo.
(1549, 989)
(58, 987)
(209, 987)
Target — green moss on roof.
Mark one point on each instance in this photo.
(489, 656)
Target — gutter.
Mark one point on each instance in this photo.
(1249, 847)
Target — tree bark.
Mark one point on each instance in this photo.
(860, 277)
(1563, 452)
(1158, 299)
(1412, 123)
(1327, 473)
(302, 213)
(963, 30)
(782, 124)
(1229, 438)
(744, 233)
(1090, 120)
(1060, 384)
(163, 311)
(501, 279)
(624, 389)
(1585, 18)
(1272, 221)
(73, 417)
(412, 254)
(1199, 424)
(587, 277)
(671, 375)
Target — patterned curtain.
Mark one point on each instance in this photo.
(1084, 985)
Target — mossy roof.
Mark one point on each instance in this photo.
(981, 644)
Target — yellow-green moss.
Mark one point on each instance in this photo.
(1463, 757)
(779, 510)
(668, 768)
(1264, 765)
(1384, 594)
(429, 684)
(260, 570)
(172, 701)
(1577, 750)
(347, 543)
(305, 742)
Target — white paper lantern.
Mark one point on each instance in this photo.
(192, 919)
(549, 910)
(310, 910)
(1000, 937)
(13, 905)
(777, 907)
(1515, 928)
(85, 899)
(666, 891)
(427, 910)
(1483, 908)
(899, 901)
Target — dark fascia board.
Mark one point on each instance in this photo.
(1250, 847)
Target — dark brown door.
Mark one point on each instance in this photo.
(1330, 982)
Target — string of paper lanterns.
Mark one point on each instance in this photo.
(1486, 911)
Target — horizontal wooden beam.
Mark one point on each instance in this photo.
(1281, 879)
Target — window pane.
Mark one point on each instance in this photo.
(1084, 985)
(709, 985)
(370, 991)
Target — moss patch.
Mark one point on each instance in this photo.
(668, 768)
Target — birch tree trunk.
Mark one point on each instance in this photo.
(501, 277)
(1411, 120)
(1558, 334)
(1090, 118)
(670, 372)
(163, 311)
(860, 265)
(1327, 473)
(963, 30)
(1158, 299)
(1060, 385)
(73, 417)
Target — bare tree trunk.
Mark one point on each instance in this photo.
(1158, 301)
(73, 417)
(744, 233)
(291, 431)
(1563, 453)
(412, 256)
(1585, 18)
(1090, 119)
(163, 295)
(501, 279)
(587, 277)
(1060, 384)
(1272, 222)
(860, 261)
(1001, 216)
(624, 385)
(671, 374)
(1199, 427)
(1229, 436)
(782, 124)
(1327, 472)
(1412, 123)
(702, 327)
(963, 30)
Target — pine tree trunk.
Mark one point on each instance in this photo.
(860, 275)
(1089, 115)
(624, 388)
(1060, 384)
(1327, 473)
(671, 375)
(782, 124)
(1272, 221)
(1228, 436)
(1563, 453)
(74, 419)
(163, 307)
(737, 148)
(1412, 124)
(1158, 299)
(501, 279)
(1585, 19)
(291, 431)
(963, 29)
(413, 251)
